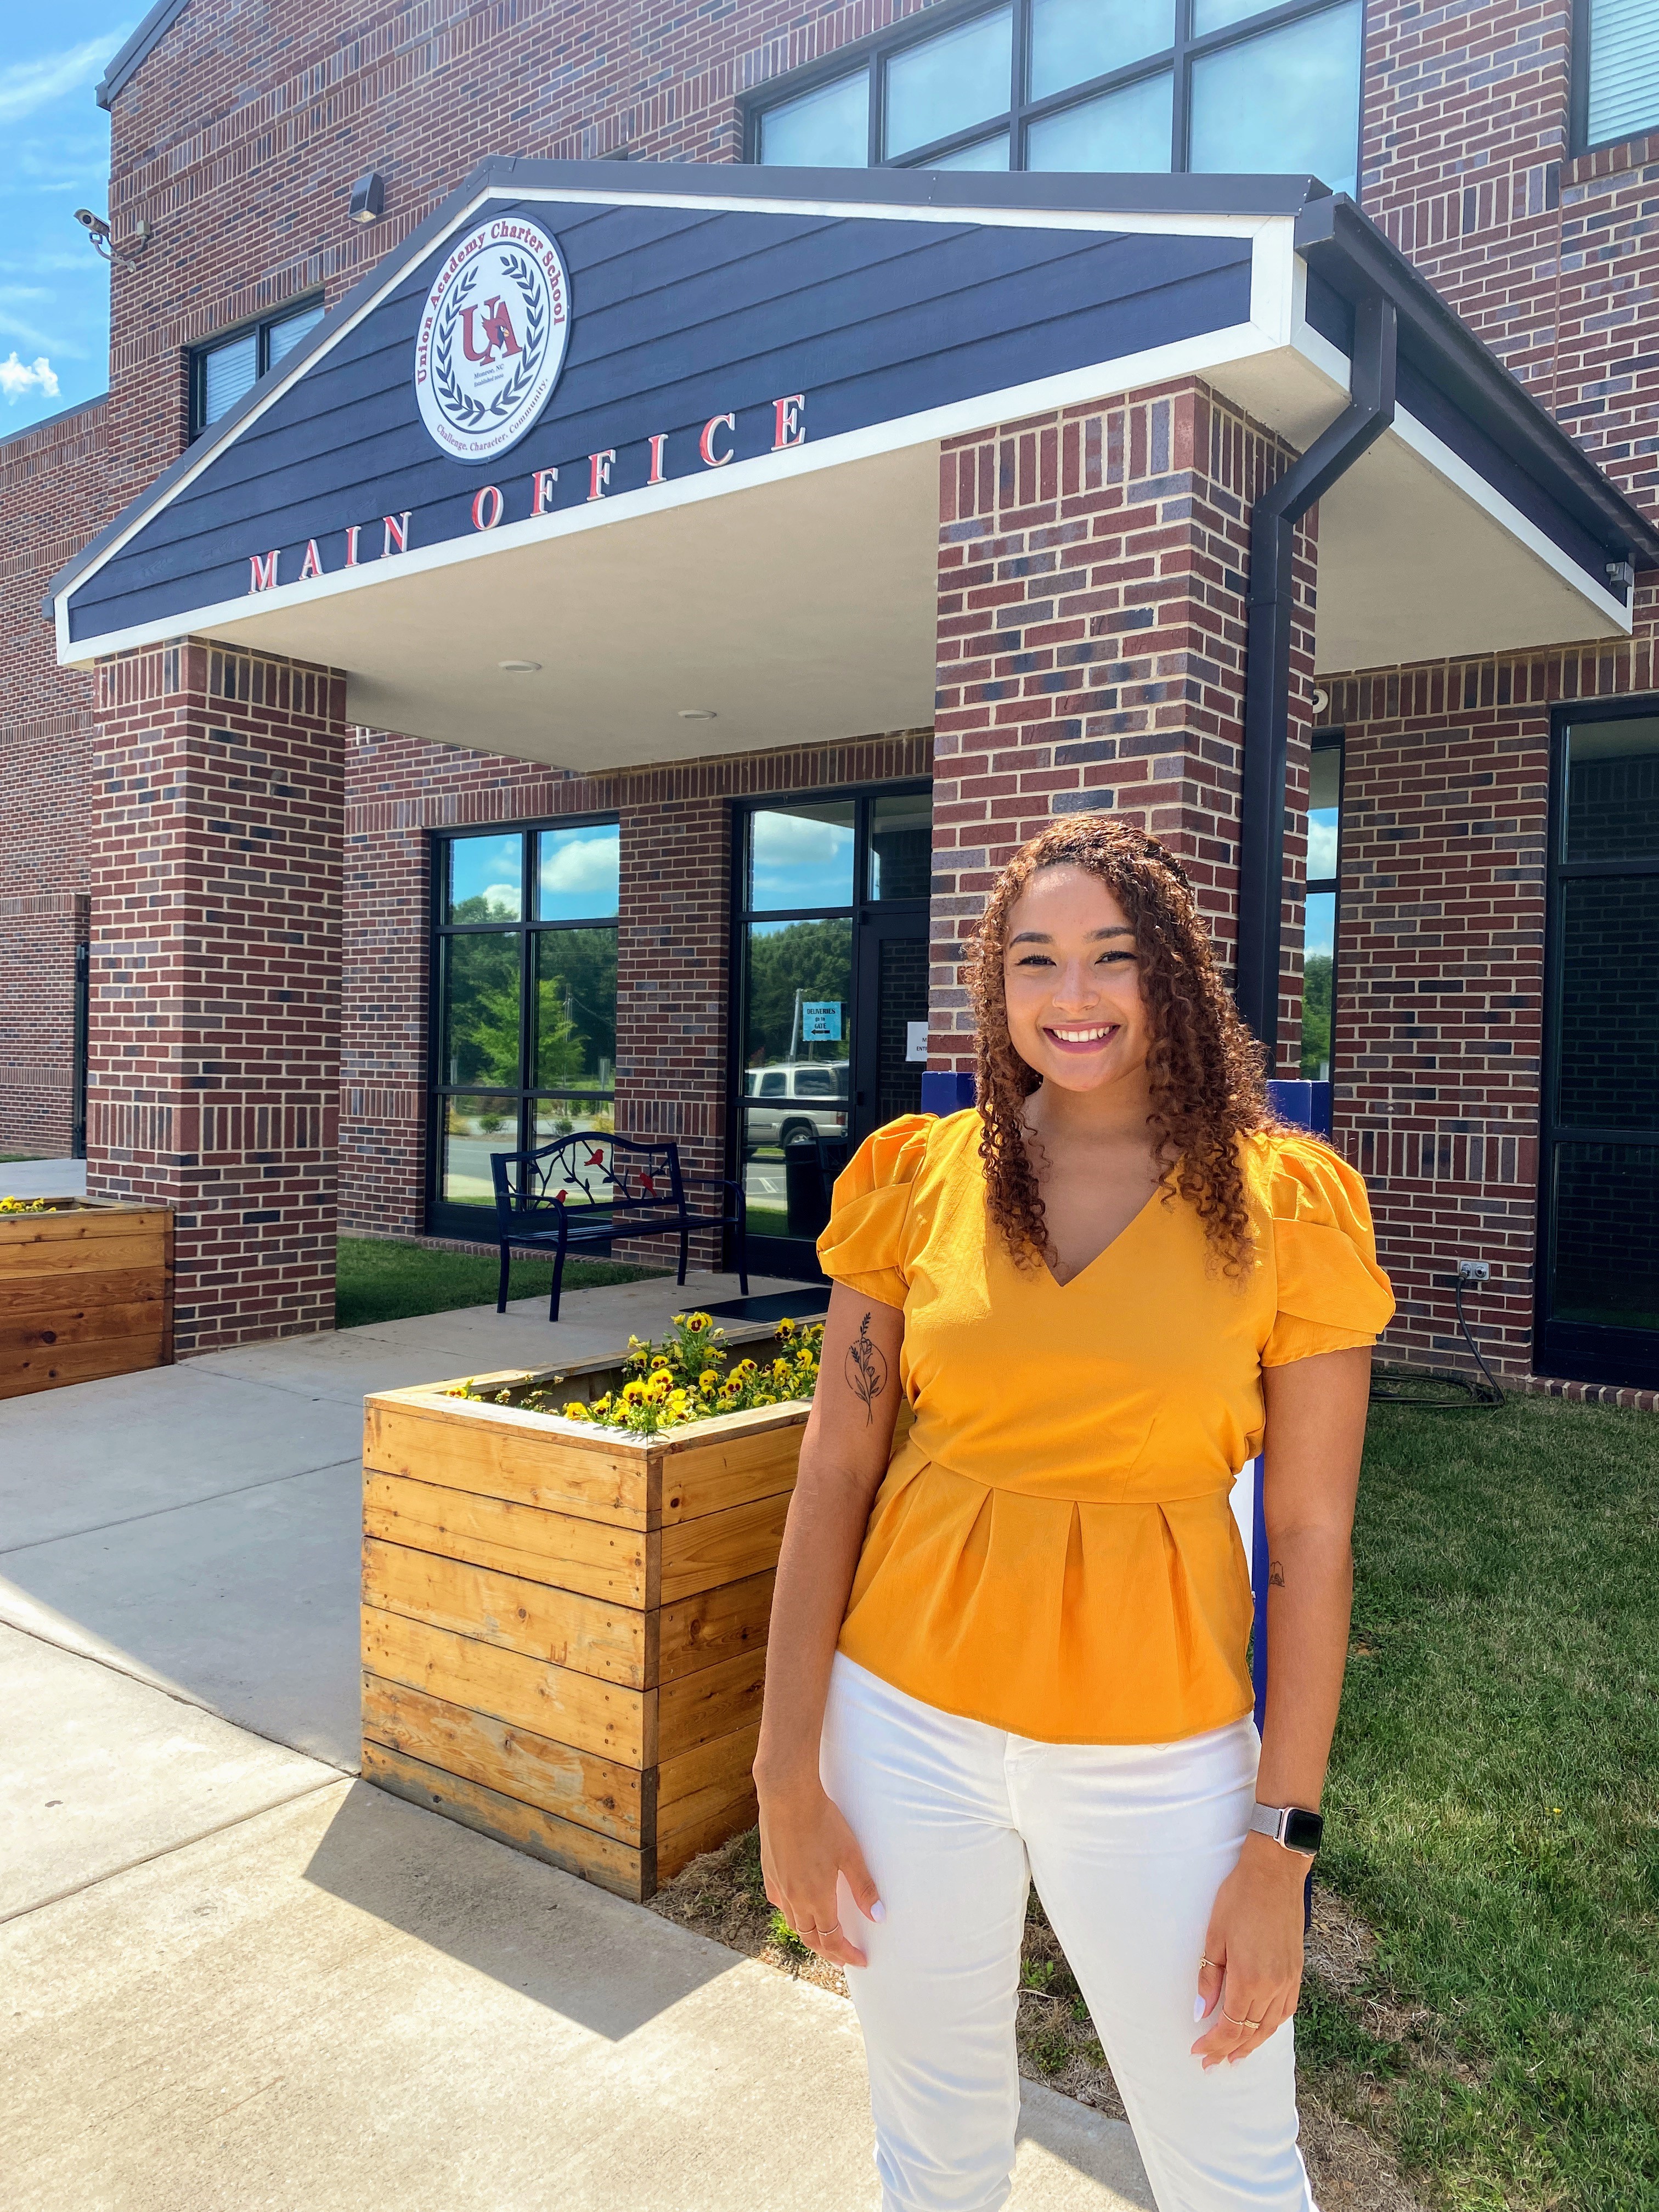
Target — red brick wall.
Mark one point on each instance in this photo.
(213, 1063)
(53, 494)
(1091, 635)
(673, 934)
(1440, 967)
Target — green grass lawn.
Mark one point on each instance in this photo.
(380, 1281)
(1493, 1808)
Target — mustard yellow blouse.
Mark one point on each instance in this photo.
(1052, 1549)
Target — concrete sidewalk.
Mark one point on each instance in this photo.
(237, 1976)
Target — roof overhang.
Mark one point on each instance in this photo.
(790, 588)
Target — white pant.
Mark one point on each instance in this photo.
(1127, 1846)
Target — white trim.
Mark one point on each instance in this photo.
(1196, 226)
(1210, 351)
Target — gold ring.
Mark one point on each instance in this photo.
(1208, 1962)
(1226, 2016)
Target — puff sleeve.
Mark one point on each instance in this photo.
(1332, 1295)
(864, 1245)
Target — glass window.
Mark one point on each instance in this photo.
(485, 878)
(1624, 69)
(282, 337)
(1287, 99)
(1324, 797)
(902, 846)
(1604, 1242)
(826, 129)
(1126, 131)
(1072, 40)
(988, 154)
(471, 1130)
(1215, 14)
(800, 856)
(481, 1009)
(1319, 938)
(578, 872)
(227, 372)
(574, 1010)
(942, 85)
(1612, 790)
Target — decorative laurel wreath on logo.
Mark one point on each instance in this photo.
(485, 366)
(526, 275)
(462, 409)
(466, 411)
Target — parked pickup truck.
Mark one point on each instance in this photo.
(791, 1103)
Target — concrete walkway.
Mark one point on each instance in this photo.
(237, 1975)
(43, 1179)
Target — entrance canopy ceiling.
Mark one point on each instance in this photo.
(670, 435)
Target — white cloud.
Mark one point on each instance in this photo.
(17, 377)
(581, 864)
(1322, 846)
(26, 86)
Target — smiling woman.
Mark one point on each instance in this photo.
(54, 295)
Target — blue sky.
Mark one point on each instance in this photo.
(54, 290)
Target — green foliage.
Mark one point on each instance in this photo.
(812, 958)
(687, 1377)
(377, 1280)
(784, 1936)
(1317, 982)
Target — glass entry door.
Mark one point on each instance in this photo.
(1598, 1278)
(831, 1002)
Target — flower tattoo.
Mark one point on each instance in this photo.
(867, 1370)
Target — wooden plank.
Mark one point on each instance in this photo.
(500, 1453)
(28, 1297)
(705, 1834)
(594, 1793)
(81, 1224)
(699, 1781)
(558, 1702)
(560, 1548)
(560, 1843)
(719, 1464)
(700, 1631)
(90, 1323)
(54, 1367)
(716, 1701)
(28, 1260)
(558, 1626)
(722, 1547)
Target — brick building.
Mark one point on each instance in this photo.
(936, 417)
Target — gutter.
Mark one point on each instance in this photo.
(1267, 657)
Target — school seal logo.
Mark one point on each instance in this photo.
(492, 338)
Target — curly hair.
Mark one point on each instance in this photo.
(1205, 1069)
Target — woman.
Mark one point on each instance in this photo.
(1014, 1647)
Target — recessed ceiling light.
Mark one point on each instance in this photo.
(519, 667)
(698, 714)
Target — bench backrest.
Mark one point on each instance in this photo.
(588, 1171)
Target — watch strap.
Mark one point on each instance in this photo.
(1291, 1826)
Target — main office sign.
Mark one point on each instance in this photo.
(492, 338)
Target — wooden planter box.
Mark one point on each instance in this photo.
(564, 1627)
(85, 1290)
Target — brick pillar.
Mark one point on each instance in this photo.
(214, 1053)
(1093, 581)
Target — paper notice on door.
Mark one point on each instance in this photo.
(820, 1021)
(916, 1042)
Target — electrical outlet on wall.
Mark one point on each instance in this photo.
(1472, 1271)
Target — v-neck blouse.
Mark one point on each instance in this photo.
(1052, 1549)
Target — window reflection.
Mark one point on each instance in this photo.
(902, 846)
(578, 872)
(1123, 132)
(1287, 100)
(826, 129)
(481, 1009)
(800, 856)
(946, 84)
(472, 1128)
(486, 878)
(987, 154)
(574, 1009)
(1072, 40)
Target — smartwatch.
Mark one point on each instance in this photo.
(1291, 1825)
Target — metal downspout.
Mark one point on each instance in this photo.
(1267, 657)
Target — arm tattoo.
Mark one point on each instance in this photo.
(867, 1370)
(1276, 1574)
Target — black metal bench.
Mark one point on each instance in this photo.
(592, 1188)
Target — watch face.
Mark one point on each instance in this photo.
(1303, 1830)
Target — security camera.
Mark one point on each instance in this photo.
(103, 244)
(94, 224)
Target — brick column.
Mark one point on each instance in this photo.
(1093, 582)
(214, 1053)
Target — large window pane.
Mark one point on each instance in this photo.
(797, 1034)
(800, 856)
(1215, 15)
(1287, 102)
(1072, 40)
(561, 1117)
(1605, 1263)
(479, 989)
(1612, 790)
(827, 129)
(945, 84)
(1324, 796)
(1130, 132)
(574, 1008)
(227, 372)
(577, 873)
(988, 154)
(1624, 69)
(473, 1128)
(1610, 1005)
(485, 879)
(282, 337)
(901, 845)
